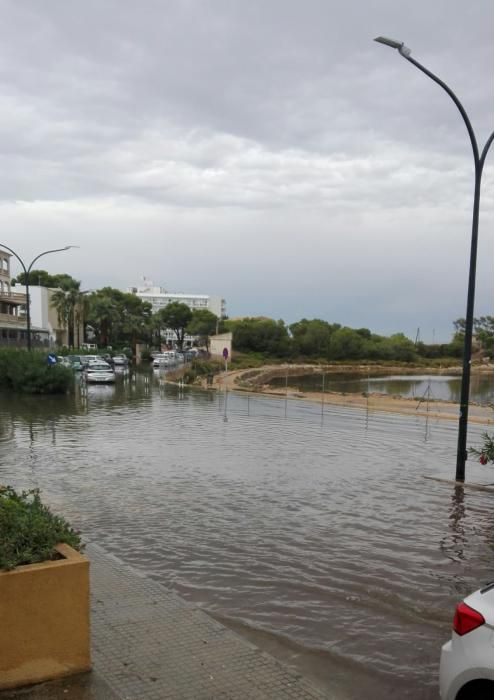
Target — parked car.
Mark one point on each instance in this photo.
(99, 372)
(160, 360)
(86, 359)
(166, 359)
(466, 670)
(75, 362)
(120, 360)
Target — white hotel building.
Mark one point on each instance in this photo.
(159, 297)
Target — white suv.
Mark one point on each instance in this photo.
(467, 661)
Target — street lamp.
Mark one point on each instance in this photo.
(479, 160)
(26, 283)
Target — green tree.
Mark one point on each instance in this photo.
(102, 314)
(155, 328)
(118, 318)
(66, 303)
(203, 324)
(44, 279)
(402, 348)
(264, 335)
(135, 319)
(484, 332)
(346, 344)
(176, 316)
(312, 338)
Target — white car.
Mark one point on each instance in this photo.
(99, 373)
(467, 661)
(165, 359)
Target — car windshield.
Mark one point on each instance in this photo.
(98, 368)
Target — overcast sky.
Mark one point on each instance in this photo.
(265, 150)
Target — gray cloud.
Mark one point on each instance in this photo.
(268, 151)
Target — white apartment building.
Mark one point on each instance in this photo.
(13, 326)
(160, 297)
(45, 317)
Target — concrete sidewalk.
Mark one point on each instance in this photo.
(150, 644)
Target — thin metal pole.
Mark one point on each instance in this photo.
(479, 161)
(322, 397)
(286, 393)
(225, 400)
(28, 314)
(461, 454)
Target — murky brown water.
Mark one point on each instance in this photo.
(320, 532)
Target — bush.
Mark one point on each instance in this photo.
(29, 373)
(29, 531)
(252, 359)
(146, 355)
(202, 368)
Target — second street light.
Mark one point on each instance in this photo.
(479, 160)
(26, 281)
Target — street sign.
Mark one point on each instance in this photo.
(225, 353)
(51, 359)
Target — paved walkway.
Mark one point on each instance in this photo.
(150, 644)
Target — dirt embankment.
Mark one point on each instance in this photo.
(257, 381)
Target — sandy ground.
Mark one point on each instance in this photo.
(238, 381)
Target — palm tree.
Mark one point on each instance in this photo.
(67, 304)
(80, 317)
(102, 315)
(59, 303)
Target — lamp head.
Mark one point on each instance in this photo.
(399, 45)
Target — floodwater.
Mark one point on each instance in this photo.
(419, 386)
(316, 533)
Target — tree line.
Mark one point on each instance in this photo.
(119, 319)
(316, 339)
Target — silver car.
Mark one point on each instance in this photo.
(99, 373)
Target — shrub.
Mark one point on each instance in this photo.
(29, 531)
(486, 452)
(202, 368)
(146, 355)
(246, 360)
(29, 373)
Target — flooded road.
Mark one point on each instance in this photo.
(318, 534)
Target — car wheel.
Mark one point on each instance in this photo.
(477, 690)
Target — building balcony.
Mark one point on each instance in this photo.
(10, 320)
(12, 297)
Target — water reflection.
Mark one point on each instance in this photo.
(446, 388)
(453, 546)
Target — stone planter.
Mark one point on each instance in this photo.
(44, 620)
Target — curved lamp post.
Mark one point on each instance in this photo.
(26, 283)
(479, 160)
